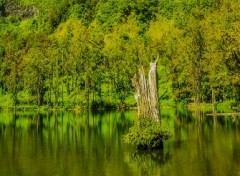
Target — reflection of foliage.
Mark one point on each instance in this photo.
(143, 160)
(69, 142)
(148, 134)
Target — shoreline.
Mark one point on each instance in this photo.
(191, 106)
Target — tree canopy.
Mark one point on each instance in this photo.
(86, 52)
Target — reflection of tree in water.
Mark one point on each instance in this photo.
(198, 119)
(92, 144)
(149, 162)
(89, 143)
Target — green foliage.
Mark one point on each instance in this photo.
(85, 53)
(148, 134)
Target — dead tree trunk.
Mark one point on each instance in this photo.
(147, 93)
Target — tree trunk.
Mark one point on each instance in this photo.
(214, 101)
(147, 93)
(153, 91)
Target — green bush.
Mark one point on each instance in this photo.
(148, 134)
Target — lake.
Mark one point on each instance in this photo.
(91, 143)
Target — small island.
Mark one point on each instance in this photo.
(147, 132)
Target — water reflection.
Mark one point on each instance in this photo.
(148, 163)
(66, 143)
(61, 143)
(205, 144)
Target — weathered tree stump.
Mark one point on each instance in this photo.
(147, 93)
(147, 133)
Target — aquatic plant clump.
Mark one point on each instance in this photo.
(148, 134)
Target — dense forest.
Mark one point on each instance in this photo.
(85, 52)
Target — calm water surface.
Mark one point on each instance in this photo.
(62, 144)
